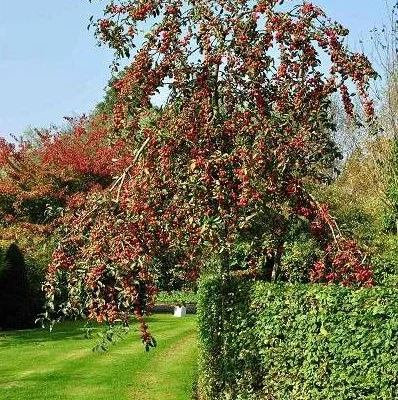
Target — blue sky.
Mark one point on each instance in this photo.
(50, 66)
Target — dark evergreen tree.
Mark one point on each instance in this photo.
(16, 310)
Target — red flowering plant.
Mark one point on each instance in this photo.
(245, 125)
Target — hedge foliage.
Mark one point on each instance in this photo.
(176, 297)
(302, 342)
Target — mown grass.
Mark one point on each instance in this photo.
(37, 364)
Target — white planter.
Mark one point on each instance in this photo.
(180, 311)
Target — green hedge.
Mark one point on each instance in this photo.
(176, 297)
(297, 342)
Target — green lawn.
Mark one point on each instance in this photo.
(36, 364)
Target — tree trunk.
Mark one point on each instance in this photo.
(275, 268)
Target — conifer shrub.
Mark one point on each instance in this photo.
(16, 306)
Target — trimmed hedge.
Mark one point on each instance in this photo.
(301, 342)
(176, 297)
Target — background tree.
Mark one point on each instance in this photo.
(384, 150)
(54, 170)
(43, 175)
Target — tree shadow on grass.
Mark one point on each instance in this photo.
(74, 330)
(71, 330)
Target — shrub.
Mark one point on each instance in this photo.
(298, 258)
(385, 259)
(302, 342)
(16, 305)
(176, 297)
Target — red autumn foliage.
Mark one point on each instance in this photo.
(58, 168)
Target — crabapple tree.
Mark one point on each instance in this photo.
(243, 131)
